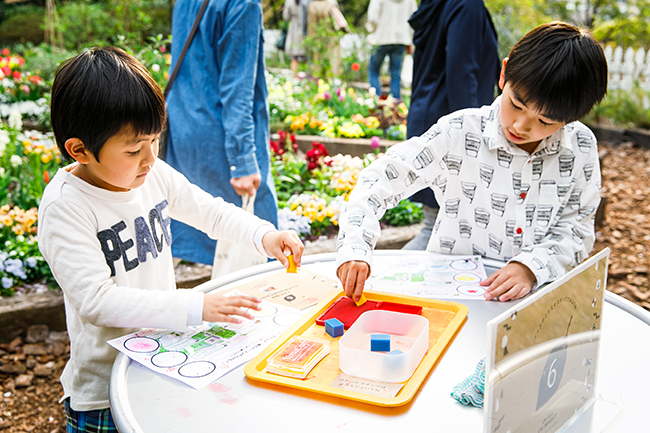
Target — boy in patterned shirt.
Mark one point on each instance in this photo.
(518, 181)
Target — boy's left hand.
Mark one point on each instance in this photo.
(513, 281)
(279, 244)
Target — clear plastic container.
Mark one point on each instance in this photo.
(409, 334)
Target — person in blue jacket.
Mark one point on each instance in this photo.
(218, 113)
(455, 65)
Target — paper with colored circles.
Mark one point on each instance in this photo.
(429, 276)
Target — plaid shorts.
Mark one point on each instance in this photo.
(94, 421)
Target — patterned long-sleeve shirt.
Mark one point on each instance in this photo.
(497, 200)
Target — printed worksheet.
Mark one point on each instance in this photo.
(203, 354)
(429, 276)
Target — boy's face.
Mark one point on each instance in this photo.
(124, 161)
(523, 125)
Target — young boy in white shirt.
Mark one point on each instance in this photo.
(104, 225)
(518, 181)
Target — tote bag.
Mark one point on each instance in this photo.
(340, 22)
(231, 257)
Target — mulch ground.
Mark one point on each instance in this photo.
(30, 366)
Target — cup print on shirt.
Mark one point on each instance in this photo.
(566, 165)
(486, 173)
(451, 207)
(482, 217)
(391, 172)
(456, 122)
(588, 170)
(472, 144)
(375, 203)
(577, 235)
(447, 244)
(530, 214)
(356, 218)
(423, 159)
(465, 229)
(516, 182)
(410, 178)
(495, 243)
(540, 234)
(453, 163)
(504, 158)
(469, 190)
(368, 181)
(478, 251)
(562, 190)
(544, 212)
(441, 182)
(574, 199)
(538, 165)
(584, 212)
(584, 141)
(498, 202)
(432, 133)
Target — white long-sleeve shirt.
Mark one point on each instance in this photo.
(496, 200)
(110, 253)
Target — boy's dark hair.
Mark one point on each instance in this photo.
(560, 69)
(100, 91)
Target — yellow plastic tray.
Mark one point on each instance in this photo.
(445, 318)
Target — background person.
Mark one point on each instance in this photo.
(293, 13)
(218, 113)
(455, 66)
(390, 35)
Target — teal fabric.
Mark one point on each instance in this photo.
(471, 391)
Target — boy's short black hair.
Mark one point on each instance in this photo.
(100, 91)
(560, 69)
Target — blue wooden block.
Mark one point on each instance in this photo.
(395, 352)
(334, 327)
(380, 342)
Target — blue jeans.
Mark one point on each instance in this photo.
(395, 53)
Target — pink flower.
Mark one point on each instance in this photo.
(327, 96)
(374, 143)
(25, 88)
(342, 97)
(163, 49)
(6, 52)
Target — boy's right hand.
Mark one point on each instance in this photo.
(353, 276)
(219, 308)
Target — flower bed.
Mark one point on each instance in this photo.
(28, 159)
(313, 189)
(312, 106)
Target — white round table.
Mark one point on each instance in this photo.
(143, 401)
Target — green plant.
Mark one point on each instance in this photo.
(626, 109)
(322, 46)
(404, 214)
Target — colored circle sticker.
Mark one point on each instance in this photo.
(168, 359)
(470, 290)
(197, 369)
(141, 344)
(467, 277)
(464, 265)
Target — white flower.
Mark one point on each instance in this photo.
(16, 160)
(7, 282)
(4, 140)
(155, 67)
(15, 120)
(31, 262)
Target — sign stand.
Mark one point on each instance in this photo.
(543, 358)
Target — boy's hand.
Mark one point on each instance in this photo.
(513, 281)
(246, 185)
(280, 244)
(219, 308)
(353, 276)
